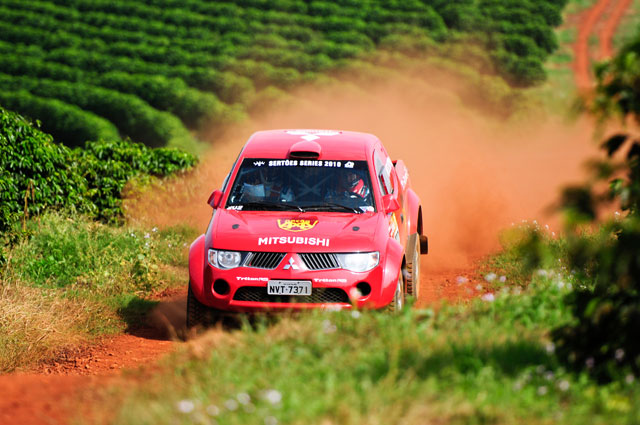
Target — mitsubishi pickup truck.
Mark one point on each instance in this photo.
(308, 219)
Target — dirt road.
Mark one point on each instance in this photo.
(486, 182)
(598, 22)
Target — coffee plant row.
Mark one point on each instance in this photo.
(157, 70)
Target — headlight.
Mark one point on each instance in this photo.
(224, 259)
(359, 262)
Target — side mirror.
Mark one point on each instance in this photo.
(215, 198)
(390, 203)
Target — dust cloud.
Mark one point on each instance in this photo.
(475, 175)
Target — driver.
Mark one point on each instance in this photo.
(352, 185)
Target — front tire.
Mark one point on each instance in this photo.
(413, 266)
(197, 313)
(397, 304)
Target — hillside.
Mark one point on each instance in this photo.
(157, 70)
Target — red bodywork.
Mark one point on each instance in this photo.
(385, 230)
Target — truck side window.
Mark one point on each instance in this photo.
(379, 168)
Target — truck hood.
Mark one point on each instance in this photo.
(295, 232)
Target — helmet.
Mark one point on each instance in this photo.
(357, 186)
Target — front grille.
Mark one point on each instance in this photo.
(318, 296)
(319, 261)
(265, 260)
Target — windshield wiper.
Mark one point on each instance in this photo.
(267, 205)
(332, 205)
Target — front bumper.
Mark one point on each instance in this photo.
(244, 289)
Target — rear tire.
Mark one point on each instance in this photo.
(197, 313)
(413, 266)
(397, 304)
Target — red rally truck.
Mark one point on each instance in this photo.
(308, 219)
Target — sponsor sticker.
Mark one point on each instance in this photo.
(293, 240)
(300, 163)
(324, 280)
(252, 279)
(394, 231)
(311, 135)
(405, 179)
(297, 225)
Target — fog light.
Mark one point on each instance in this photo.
(221, 287)
(364, 288)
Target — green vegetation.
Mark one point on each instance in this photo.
(65, 278)
(490, 362)
(38, 174)
(70, 279)
(152, 69)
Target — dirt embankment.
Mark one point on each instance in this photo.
(475, 177)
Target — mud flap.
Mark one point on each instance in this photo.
(424, 245)
(412, 271)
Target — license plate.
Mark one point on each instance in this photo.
(289, 287)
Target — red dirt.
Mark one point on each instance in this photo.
(608, 31)
(475, 177)
(605, 16)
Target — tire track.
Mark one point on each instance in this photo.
(608, 15)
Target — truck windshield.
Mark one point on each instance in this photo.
(304, 185)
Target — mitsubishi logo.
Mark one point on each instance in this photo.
(291, 265)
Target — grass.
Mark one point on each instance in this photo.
(483, 362)
(629, 25)
(72, 279)
(488, 362)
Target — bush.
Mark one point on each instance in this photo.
(38, 174)
(603, 338)
(35, 173)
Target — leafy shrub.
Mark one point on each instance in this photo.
(603, 338)
(38, 174)
(108, 165)
(35, 173)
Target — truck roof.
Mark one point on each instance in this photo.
(334, 144)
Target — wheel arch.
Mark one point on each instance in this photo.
(196, 267)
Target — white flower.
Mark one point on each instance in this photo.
(231, 404)
(479, 287)
(243, 398)
(503, 279)
(488, 297)
(590, 362)
(270, 420)
(629, 379)
(185, 406)
(619, 354)
(355, 293)
(542, 390)
(147, 236)
(213, 410)
(155, 229)
(541, 272)
(549, 376)
(461, 280)
(356, 314)
(272, 396)
(328, 327)
(490, 277)
(550, 347)
(563, 385)
(517, 386)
